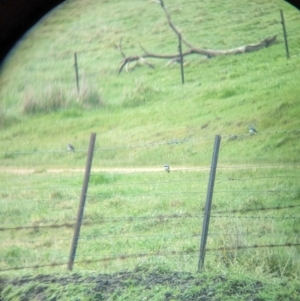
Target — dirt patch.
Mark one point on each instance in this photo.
(181, 286)
(122, 170)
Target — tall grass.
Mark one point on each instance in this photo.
(54, 99)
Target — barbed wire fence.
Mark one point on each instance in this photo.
(148, 215)
(79, 73)
(144, 214)
(83, 74)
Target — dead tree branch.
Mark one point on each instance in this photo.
(169, 19)
(239, 50)
(267, 42)
(128, 59)
(177, 32)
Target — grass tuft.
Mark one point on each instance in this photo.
(89, 97)
(140, 95)
(51, 100)
(6, 120)
(55, 99)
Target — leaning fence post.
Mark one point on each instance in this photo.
(284, 34)
(76, 71)
(181, 58)
(82, 201)
(209, 196)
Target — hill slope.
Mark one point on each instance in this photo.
(223, 95)
(144, 118)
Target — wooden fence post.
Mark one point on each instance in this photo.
(76, 72)
(209, 196)
(82, 201)
(181, 59)
(285, 35)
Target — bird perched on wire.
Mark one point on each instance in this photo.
(167, 167)
(71, 148)
(252, 130)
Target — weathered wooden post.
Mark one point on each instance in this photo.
(285, 35)
(181, 58)
(82, 201)
(209, 196)
(76, 72)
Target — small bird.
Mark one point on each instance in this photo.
(252, 130)
(71, 148)
(167, 167)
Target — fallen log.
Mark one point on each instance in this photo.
(210, 53)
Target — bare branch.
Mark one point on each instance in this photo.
(120, 48)
(143, 61)
(239, 50)
(174, 60)
(192, 49)
(145, 51)
(127, 60)
(156, 1)
(207, 52)
(169, 19)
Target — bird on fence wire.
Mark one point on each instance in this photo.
(252, 130)
(71, 148)
(167, 167)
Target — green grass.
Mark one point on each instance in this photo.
(144, 118)
(150, 283)
(221, 95)
(153, 212)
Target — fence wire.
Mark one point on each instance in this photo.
(172, 141)
(145, 212)
(140, 255)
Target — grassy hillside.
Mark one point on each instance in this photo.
(144, 118)
(223, 95)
